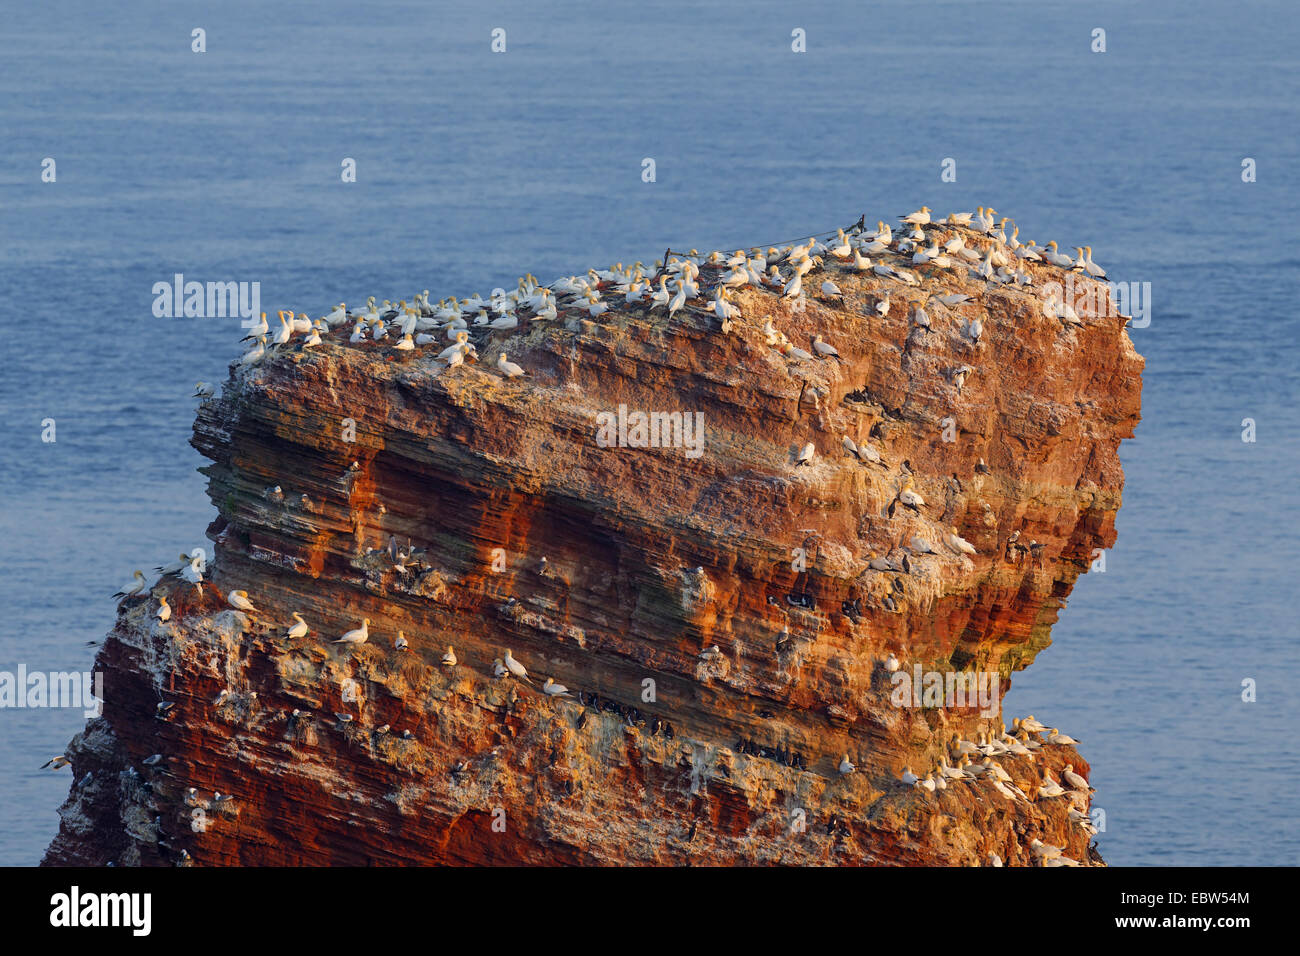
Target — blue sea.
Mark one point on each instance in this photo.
(472, 166)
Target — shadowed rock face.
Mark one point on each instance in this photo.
(653, 556)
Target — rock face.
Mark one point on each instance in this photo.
(668, 752)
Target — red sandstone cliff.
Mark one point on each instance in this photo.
(653, 557)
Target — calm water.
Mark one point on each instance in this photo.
(474, 166)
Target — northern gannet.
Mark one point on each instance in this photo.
(910, 498)
(959, 544)
(552, 689)
(678, 300)
(1043, 850)
(283, 333)
(254, 355)
(824, 349)
(133, 587)
(806, 454)
(261, 328)
(1049, 788)
(908, 778)
(400, 643)
(846, 765)
(203, 390)
(1055, 258)
(193, 572)
(1056, 737)
(1073, 779)
(507, 368)
(919, 218)
(164, 611)
(299, 629)
(56, 762)
(514, 667)
(831, 290)
(1094, 270)
(892, 664)
(358, 636)
(239, 601)
(449, 659)
(920, 317)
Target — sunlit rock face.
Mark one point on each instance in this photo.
(652, 463)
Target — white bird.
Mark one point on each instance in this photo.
(678, 300)
(254, 355)
(204, 390)
(1091, 267)
(928, 783)
(133, 587)
(449, 659)
(806, 455)
(921, 546)
(239, 601)
(400, 643)
(283, 333)
(959, 544)
(1050, 788)
(1056, 737)
(357, 636)
(507, 368)
(823, 348)
(1073, 779)
(299, 629)
(846, 765)
(892, 664)
(175, 567)
(909, 497)
(919, 218)
(1043, 850)
(164, 611)
(830, 289)
(499, 669)
(868, 452)
(908, 778)
(514, 667)
(193, 572)
(552, 689)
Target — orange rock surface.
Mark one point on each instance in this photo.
(668, 753)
